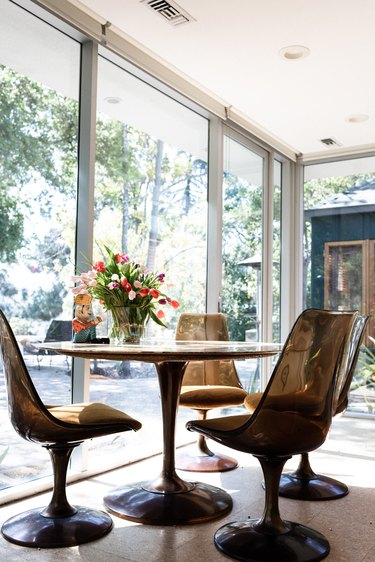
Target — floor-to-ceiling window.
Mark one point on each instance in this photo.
(39, 89)
(339, 242)
(242, 244)
(150, 198)
(242, 240)
(150, 203)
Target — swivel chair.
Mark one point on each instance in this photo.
(207, 385)
(304, 483)
(59, 429)
(293, 416)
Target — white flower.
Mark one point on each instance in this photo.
(132, 295)
(115, 277)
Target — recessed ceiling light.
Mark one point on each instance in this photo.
(112, 99)
(294, 52)
(358, 118)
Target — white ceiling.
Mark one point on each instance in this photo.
(232, 50)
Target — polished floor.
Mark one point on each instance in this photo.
(348, 523)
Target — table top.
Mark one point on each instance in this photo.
(156, 350)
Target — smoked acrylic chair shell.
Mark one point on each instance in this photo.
(293, 416)
(207, 385)
(304, 483)
(59, 429)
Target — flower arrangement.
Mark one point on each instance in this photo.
(126, 289)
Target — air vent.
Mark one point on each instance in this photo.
(170, 11)
(330, 142)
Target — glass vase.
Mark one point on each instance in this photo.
(128, 324)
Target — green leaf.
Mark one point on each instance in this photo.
(156, 319)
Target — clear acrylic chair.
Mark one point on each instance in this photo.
(304, 483)
(293, 416)
(59, 429)
(207, 385)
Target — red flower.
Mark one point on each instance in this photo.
(160, 314)
(99, 266)
(174, 303)
(126, 285)
(154, 293)
(144, 292)
(121, 258)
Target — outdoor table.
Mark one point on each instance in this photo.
(168, 500)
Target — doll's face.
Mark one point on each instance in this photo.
(84, 312)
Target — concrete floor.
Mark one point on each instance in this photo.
(348, 523)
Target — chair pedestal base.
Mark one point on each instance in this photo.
(34, 530)
(315, 488)
(141, 504)
(241, 541)
(205, 463)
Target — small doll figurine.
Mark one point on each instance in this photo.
(84, 325)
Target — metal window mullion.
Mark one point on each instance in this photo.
(288, 282)
(292, 248)
(267, 237)
(85, 198)
(215, 216)
(267, 249)
(85, 213)
(297, 240)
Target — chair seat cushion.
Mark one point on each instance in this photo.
(304, 401)
(211, 396)
(270, 433)
(252, 400)
(92, 413)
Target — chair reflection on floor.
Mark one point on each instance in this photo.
(207, 385)
(304, 483)
(293, 416)
(59, 429)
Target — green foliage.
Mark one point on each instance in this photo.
(365, 371)
(36, 132)
(38, 160)
(11, 225)
(236, 303)
(242, 238)
(364, 376)
(38, 139)
(46, 304)
(54, 252)
(22, 326)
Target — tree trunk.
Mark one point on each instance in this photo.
(153, 233)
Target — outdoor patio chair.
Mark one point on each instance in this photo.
(304, 483)
(59, 429)
(58, 330)
(207, 385)
(293, 416)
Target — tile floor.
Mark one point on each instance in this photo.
(348, 523)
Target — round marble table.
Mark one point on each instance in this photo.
(168, 499)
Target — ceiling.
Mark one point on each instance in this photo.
(232, 50)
